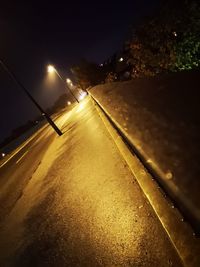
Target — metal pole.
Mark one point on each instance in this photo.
(13, 76)
(67, 85)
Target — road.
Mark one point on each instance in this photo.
(72, 201)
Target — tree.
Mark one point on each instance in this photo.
(168, 41)
(88, 74)
(188, 46)
(111, 77)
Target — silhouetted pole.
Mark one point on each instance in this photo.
(67, 86)
(13, 76)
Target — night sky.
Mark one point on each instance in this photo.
(34, 34)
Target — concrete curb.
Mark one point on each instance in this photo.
(191, 214)
(179, 232)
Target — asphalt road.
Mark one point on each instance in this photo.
(72, 201)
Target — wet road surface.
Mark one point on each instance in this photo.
(72, 201)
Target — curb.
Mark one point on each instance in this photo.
(179, 232)
(191, 214)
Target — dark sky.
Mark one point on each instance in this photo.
(34, 34)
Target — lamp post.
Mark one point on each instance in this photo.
(13, 77)
(52, 69)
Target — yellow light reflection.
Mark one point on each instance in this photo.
(80, 107)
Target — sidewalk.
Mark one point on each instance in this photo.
(83, 207)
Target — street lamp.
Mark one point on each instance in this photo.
(52, 69)
(69, 82)
(15, 79)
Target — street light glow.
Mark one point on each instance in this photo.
(83, 95)
(50, 69)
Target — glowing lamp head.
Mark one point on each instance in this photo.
(50, 69)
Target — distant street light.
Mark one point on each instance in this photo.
(69, 82)
(13, 77)
(52, 69)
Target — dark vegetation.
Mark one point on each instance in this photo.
(168, 41)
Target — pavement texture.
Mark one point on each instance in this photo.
(73, 201)
(161, 118)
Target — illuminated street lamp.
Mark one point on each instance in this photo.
(69, 82)
(52, 69)
(15, 79)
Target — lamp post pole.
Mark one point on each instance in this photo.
(13, 76)
(53, 69)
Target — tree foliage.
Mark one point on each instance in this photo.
(168, 41)
(88, 74)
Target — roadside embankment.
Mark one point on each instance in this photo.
(160, 118)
